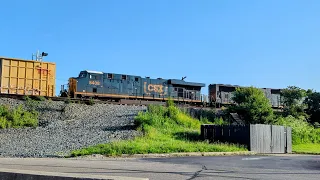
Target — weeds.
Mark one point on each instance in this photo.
(30, 103)
(40, 98)
(68, 100)
(90, 102)
(165, 130)
(17, 117)
(302, 131)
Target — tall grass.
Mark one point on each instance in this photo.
(165, 130)
(306, 148)
(302, 131)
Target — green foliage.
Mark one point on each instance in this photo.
(40, 98)
(170, 102)
(219, 121)
(292, 95)
(68, 100)
(292, 98)
(252, 105)
(313, 106)
(165, 130)
(306, 148)
(302, 131)
(90, 102)
(17, 117)
(30, 103)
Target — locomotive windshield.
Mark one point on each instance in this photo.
(82, 74)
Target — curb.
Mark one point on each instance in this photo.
(307, 153)
(188, 154)
(18, 174)
(288, 154)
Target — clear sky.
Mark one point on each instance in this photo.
(266, 43)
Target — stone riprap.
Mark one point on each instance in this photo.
(64, 127)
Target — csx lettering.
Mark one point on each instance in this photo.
(155, 88)
(94, 82)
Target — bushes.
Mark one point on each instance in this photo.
(302, 131)
(252, 105)
(165, 130)
(17, 117)
(165, 118)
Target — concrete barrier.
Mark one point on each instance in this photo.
(17, 174)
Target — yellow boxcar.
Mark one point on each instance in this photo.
(27, 77)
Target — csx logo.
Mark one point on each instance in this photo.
(155, 88)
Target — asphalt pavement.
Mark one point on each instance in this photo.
(251, 167)
(197, 168)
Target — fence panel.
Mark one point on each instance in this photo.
(260, 138)
(278, 139)
(288, 140)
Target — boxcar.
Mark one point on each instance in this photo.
(221, 94)
(27, 77)
(123, 86)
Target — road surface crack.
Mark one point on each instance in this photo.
(196, 174)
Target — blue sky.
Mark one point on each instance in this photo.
(260, 43)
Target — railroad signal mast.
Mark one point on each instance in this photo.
(39, 57)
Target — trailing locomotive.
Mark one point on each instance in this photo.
(221, 95)
(122, 86)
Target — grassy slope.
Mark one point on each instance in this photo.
(306, 148)
(166, 130)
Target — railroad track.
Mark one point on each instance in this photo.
(95, 101)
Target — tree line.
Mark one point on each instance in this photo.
(254, 107)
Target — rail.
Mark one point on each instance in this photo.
(95, 101)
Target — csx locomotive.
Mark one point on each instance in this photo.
(123, 86)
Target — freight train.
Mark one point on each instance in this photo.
(37, 78)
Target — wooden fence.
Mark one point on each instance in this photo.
(259, 138)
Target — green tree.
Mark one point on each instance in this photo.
(292, 99)
(252, 105)
(313, 106)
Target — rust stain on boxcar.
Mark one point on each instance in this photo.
(43, 71)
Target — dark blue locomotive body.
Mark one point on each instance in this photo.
(123, 86)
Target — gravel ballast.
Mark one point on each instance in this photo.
(65, 127)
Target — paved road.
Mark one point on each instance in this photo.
(251, 167)
(198, 168)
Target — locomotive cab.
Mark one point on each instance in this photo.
(87, 84)
(83, 74)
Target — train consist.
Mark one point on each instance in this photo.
(37, 78)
